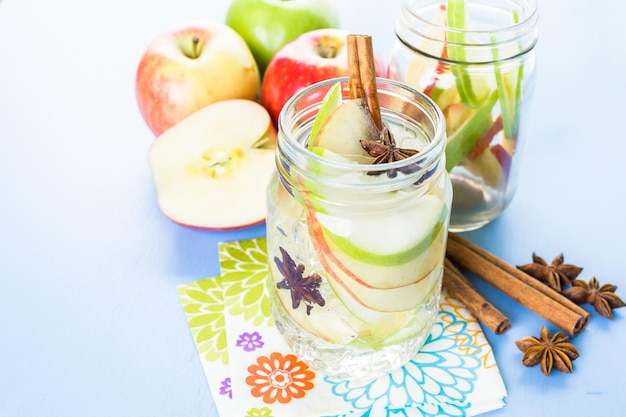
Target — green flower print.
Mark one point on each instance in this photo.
(259, 412)
(244, 273)
(203, 303)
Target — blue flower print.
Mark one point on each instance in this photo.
(250, 341)
(436, 382)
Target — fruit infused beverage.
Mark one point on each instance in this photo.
(476, 60)
(357, 222)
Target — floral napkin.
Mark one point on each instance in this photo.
(252, 373)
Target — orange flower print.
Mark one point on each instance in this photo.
(279, 378)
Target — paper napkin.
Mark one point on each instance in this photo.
(252, 373)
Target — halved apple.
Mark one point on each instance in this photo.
(211, 169)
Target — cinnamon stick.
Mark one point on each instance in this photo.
(459, 287)
(368, 76)
(362, 74)
(518, 285)
(354, 71)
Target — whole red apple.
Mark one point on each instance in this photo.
(313, 56)
(192, 67)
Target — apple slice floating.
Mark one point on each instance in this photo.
(345, 127)
(211, 169)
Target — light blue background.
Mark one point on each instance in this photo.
(90, 321)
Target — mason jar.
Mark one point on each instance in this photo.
(476, 60)
(356, 250)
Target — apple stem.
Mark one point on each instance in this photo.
(192, 52)
(326, 48)
(194, 49)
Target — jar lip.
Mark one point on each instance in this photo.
(417, 25)
(428, 157)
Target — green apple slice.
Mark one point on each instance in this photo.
(463, 139)
(391, 276)
(331, 101)
(353, 288)
(389, 239)
(345, 127)
(379, 299)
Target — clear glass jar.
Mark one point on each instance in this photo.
(476, 60)
(370, 238)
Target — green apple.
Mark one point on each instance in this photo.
(268, 25)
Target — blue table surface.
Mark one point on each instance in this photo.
(90, 320)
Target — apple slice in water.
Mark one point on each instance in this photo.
(344, 129)
(331, 101)
(211, 169)
(323, 322)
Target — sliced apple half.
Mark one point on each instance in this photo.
(211, 169)
(345, 127)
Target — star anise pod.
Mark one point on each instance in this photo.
(302, 288)
(603, 298)
(550, 351)
(385, 150)
(556, 275)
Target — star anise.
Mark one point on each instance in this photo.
(302, 288)
(550, 351)
(385, 150)
(603, 298)
(556, 275)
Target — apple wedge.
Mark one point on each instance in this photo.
(330, 103)
(211, 169)
(345, 128)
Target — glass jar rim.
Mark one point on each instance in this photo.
(299, 156)
(511, 39)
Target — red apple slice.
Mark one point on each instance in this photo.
(391, 299)
(211, 169)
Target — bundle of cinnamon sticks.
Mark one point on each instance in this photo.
(521, 287)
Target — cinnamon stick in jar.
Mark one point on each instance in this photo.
(459, 287)
(521, 287)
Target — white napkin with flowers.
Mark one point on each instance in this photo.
(252, 373)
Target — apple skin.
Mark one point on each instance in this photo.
(173, 80)
(268, 25)
(314, 56)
